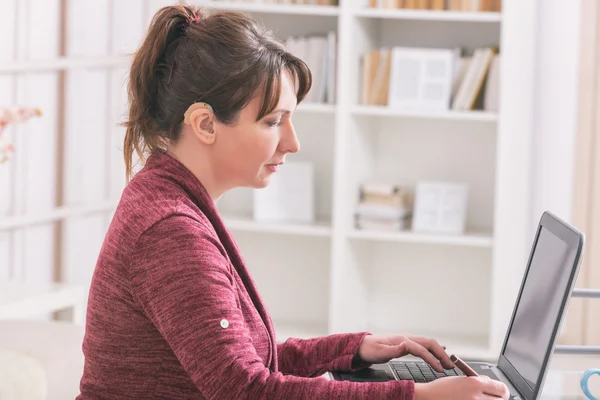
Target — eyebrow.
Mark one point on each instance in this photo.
(280, 110)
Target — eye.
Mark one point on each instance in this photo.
(274, 123)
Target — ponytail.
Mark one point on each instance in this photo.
(146, 76)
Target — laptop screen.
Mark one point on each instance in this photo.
(539, 306)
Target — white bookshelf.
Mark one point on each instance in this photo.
(57, 214)
(429, 15)
(64, 63)
(247, 224)
(372, 278)
(319, 278)
(467, 240)
(382, 111)
(316, 108)
(271, 8)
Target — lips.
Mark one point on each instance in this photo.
(274, 166)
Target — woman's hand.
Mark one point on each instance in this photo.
(462, 388)
(377, 349)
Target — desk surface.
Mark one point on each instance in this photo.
(564, 375)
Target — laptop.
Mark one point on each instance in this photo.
(539, 310)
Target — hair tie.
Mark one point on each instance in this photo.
(191, 17)
(188, 21)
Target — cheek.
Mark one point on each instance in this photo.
(262, 147)
(268, 146)
(249, 150)
(247, 160)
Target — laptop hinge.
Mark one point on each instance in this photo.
(507, 381)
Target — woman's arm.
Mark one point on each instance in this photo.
(314, 357)
(184, 285)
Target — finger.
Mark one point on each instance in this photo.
(494, 388)
(418, 350)
(437, 350)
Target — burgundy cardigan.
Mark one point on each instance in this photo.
(173, 312)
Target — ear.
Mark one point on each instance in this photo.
(201, 118)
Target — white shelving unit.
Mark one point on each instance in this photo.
(247, 224)
(429, 15)
(469, 240)
(330, 277)
(381, 111)
(270, 8)
(318, 278)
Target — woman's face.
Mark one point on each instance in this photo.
(248, 152)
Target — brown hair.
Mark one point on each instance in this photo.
(222, 58)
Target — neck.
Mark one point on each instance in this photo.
(200, 167)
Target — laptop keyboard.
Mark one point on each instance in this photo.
(420, 371)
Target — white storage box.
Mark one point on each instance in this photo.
(440, 208)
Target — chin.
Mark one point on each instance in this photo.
(262, 182)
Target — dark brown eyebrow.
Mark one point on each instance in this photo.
(280, 110)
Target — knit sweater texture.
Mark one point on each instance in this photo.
(173, 311)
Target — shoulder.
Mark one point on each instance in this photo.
(177, 247)
(149, 200)
(180, 232)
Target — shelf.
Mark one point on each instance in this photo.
(247, 224)
(57, 214)
(22, 300)
(429, 15)
(288, 9)
(380, 111)
(300, 330)
(64, 63)
(469, 240)
(316, 108)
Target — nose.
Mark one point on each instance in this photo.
(289, 141)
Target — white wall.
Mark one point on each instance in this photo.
(555, 118)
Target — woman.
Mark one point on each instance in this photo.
(173, 311)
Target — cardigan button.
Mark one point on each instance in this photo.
(224, 323)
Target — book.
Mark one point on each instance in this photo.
(383, 206)
(472, 84)
(439, 5)
(319, 52)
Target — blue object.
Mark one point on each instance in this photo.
(584, 382)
